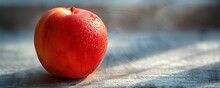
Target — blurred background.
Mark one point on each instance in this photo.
(119, 15)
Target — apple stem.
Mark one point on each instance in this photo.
(72, 9)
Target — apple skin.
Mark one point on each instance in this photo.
(70, 43)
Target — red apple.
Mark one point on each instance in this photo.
(70, 42)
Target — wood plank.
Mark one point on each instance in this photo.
(166, 59)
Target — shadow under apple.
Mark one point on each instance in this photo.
(35, 77)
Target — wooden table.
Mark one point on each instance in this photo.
(161, 59)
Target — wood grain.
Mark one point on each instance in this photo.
(162, 59)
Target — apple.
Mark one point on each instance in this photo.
(70, 42)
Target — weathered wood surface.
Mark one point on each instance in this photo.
(174, 59)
